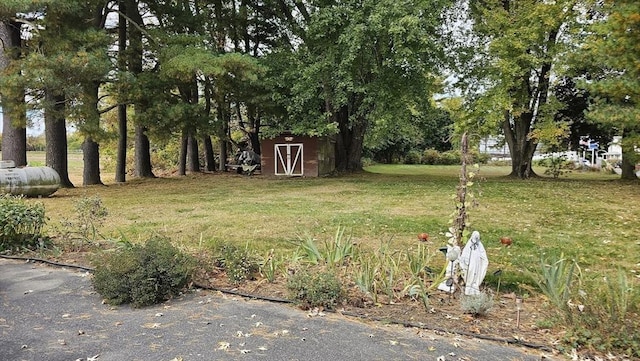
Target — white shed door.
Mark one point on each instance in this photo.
(289, 159)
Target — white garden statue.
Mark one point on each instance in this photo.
(473, 263)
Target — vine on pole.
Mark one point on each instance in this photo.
(460, 218)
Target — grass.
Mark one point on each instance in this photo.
(589, 217)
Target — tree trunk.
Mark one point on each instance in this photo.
(224, 150)
(14, 119)
(90, 148)
(521, 146)
(143, 167)
(121, 158)
(628, 167)
(193, 164)
(14, 136)
(209, 156)
(91, 158)
(55, 133)
(349, 142)
(254, 132)
(142, 148)
(184, 145)
(225, 116)
(629, 158)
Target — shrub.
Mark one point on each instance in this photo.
(143, 275)
(603, 321)
(412, 157)
(430, 156)
(366, 162)
(20, 223)
(556, 165)
(239, 264)
(450, 157)
(482, 158)
(315, 289)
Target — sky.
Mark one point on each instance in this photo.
(36, 128)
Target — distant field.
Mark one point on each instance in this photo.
(74, 160)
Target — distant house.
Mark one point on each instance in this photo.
(614, 151)
(591, 155)
(297, 155)
(495, 147)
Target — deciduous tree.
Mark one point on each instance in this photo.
(358, 62)
(514, 48)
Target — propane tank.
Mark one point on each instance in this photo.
(28, 181)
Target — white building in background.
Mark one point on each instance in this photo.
(497, 148)
(614, 151)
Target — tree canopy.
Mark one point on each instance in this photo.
(363, 71)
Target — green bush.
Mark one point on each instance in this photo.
(482, 158)
(602, 315)
(143, 275)
(450, 157)
(433, 157)
(430, 156)
(366, 162)
(239, 264)
(315, 289)
(20, 223)
(413, 157)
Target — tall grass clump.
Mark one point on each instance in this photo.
(334, 252)
(394, 274)
(271, 266)
(559, 280)
(600, 313)
(608, 320)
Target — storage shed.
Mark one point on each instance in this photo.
(298, 155)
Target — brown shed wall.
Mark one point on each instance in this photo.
(316, 155)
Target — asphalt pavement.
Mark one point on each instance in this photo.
(53, 314)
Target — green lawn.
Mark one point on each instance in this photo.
(589, 216)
